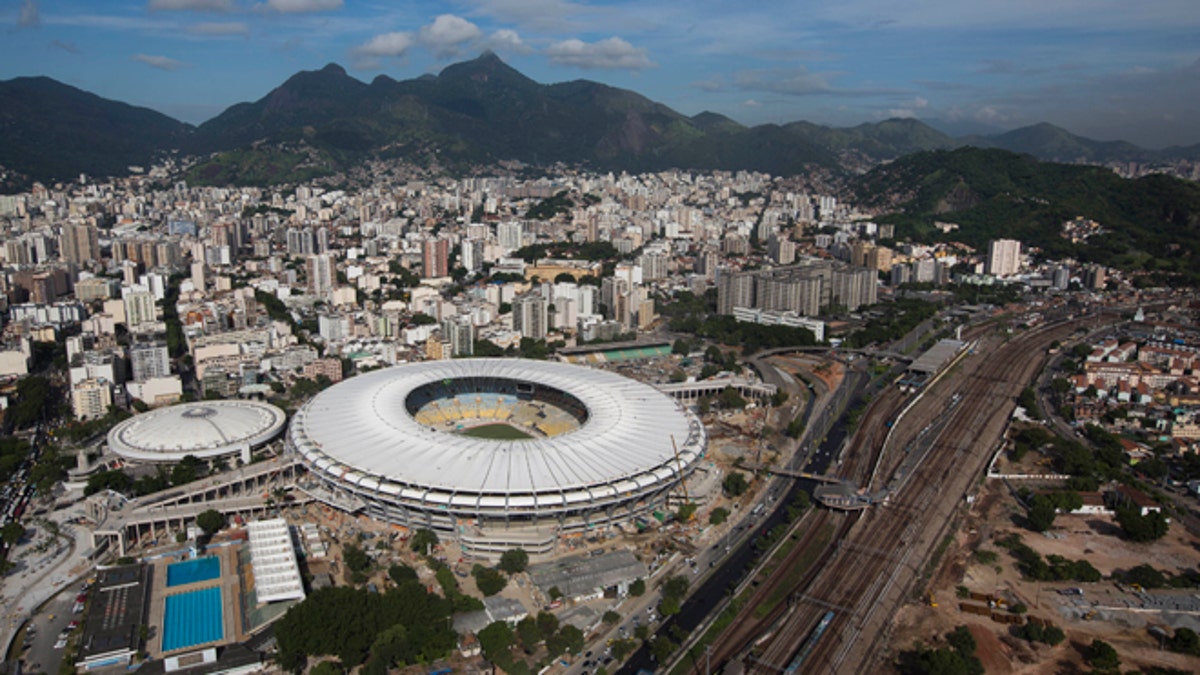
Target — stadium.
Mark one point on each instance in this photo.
(207, 430)
(496, 453)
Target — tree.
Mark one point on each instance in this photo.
(489, 580)
(1145, 576)
(685, 512)
(661, 648)
(401, 573)
(795, 428)
(637, 588)
(187, 470)
(1185, 641)
(1053, 635)
(423, 540)
(730, 398)
(496, 639)
(1150, 527)
(514, 561)
(573, 637)
(547, 622)
(1102, 656)
(11, 533)
(961, 639)
(554, 593)
(210, 521)
(356, 559)
(327, 668)
(1041, 513)
(610, 617)
(673, 591)
(734, 484)
(529, 633)
(718, 515)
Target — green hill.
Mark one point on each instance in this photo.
(1151, 223)
(51, 131)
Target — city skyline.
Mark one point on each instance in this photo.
(1104, 70)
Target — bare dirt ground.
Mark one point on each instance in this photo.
(1095, 538)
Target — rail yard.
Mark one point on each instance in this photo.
(837, 617)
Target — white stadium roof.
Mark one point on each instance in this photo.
(360, 430)
(203, 429)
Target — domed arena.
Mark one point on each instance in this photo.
(496, 452)
(206, 430)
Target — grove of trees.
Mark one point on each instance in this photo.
(404, 625)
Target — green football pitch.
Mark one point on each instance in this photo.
(498, 432)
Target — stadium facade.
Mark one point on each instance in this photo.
(602, 449)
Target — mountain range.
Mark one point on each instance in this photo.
(480, 110)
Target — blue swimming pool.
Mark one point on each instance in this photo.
(191, 571)
(192, 619)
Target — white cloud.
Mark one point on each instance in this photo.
(751, 103)
(610, 52)
(300, 6)
(505, 40)
(367, 56)
(448, 34)
(192, 5)
(160, 62)
(219, 29)
(29, 16)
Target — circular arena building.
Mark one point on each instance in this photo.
(499, 452)
(208, 430)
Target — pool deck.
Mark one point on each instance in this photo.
(230, 602)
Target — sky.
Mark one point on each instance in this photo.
(1105, 69)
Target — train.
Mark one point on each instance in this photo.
(810, 643)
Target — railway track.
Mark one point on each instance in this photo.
(873, 568)
(861, 454)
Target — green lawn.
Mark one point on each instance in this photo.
(498, 432)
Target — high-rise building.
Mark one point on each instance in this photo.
(320, 274)
(149, 360)
(471, 254)
(1004, 257)
(198, 275)
(530, 317)
(654, 264)
(1062, 277)
(510, 235)
(139, 307)
(79, 243)
(435, 257)
(734, 289)
(91, 399)
(300, 241)
(460, 333)
(805, 289)
(781, 249)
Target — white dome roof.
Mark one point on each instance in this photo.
(360, 429)
(203, 429)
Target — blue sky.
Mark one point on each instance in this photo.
(1107, 69)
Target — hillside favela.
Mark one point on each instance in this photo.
(596, 338)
